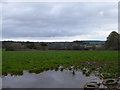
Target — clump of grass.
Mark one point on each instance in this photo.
(4, 73)
(56, 69)
(46, 69)
(20, 72)
(61, 69)
(70, 68)
(83, 65)
(84, 71)
(51, 68)
(87, 73)
(75, 68)
(109, 71)
(93, 68)
(35, 70)
(107, 75)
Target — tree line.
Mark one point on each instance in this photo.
(112, 43)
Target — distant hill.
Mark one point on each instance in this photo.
(75, 45)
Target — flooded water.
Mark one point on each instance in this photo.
(0, 83)
(48, 79)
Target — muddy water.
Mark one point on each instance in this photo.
(48, 79)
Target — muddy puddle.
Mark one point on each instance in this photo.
(49, 79)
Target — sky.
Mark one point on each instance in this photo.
(58, 21)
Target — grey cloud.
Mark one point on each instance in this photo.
(56, 19)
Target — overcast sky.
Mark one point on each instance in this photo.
(59, 21)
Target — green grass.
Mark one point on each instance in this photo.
(39, 61)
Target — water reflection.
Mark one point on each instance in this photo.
(48, 79)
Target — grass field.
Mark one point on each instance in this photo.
(15, 62)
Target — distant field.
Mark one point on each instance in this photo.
(34, 61)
